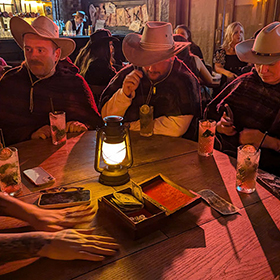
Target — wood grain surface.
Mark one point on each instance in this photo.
(195, 244)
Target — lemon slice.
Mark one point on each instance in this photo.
(145, 109)
(5, 153)
(249, 149)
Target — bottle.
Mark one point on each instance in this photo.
(89, 30)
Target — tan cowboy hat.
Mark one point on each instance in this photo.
(155, 45)
(265, 49)
(43, 27)
(80, 14)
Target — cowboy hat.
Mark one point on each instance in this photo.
(43, 27)
(102, 35)
(265, 49)
(80, 14)
(155, 45)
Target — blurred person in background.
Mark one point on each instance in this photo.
(77, 24)
(185, 32)
(96, 60)
(225, 60)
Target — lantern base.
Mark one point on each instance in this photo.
(114, 177)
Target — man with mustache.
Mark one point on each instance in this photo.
(46, 76)
(155, 78)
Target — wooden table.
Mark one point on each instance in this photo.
(194, 244)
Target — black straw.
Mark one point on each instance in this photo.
(2, 138)
(262, 141)
(52, 105)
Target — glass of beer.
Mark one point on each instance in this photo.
(206, 137)
(58, 127)
(247, 165)
(146, 120)
(10, 179)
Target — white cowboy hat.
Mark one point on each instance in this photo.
(265, 49)
(43, 27)
(155, 45)
(81, 14)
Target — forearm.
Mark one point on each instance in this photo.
(174, 126)
(116, 105)
(271, 143)
(220, 69)
(13, 207)
(19, 246)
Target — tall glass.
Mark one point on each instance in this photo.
(10, 179)
(58, 127)
(247, 165)
(206, 137)
(146, 120)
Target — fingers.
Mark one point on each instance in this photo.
(90, 257)
(131, 82)
(42, 133)
(75, 126)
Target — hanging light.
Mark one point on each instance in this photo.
(114, 149)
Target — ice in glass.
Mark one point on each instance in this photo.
(247, 165)
(146, 120)
(58, 127)
(206, 137)
(10, 179)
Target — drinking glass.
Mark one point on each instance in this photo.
(146, 120)
(206, 137)
(58, 127)
(247, 165)
(10, 179)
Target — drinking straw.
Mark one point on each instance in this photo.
(52, 105)
(262, 141)
(2, 138)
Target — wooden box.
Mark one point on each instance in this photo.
(162, 198)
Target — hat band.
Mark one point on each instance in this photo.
(265, 54)
(155, 47)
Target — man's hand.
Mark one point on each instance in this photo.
(225, 126)
(75, 126)
(58, 219)
(73, 244)
(131, 82)
(44, 132)
(250, 136)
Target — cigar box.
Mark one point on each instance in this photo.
(161, 198)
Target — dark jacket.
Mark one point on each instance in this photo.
(68, 90)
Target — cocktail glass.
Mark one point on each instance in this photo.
(146, 120)
(206, 137)
(247, 165)
(58, 127)
(10, 179)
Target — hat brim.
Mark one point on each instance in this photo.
(244, 53)
(135, 54)
(20, 27)
(106, 39)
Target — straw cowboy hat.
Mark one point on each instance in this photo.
(43, 27)
(265, 49)
(155, 45)
(102, 35)
(80, 14)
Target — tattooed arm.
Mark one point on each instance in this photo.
(67, 244)
(44, 219)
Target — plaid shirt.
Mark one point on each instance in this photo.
(255, 105)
